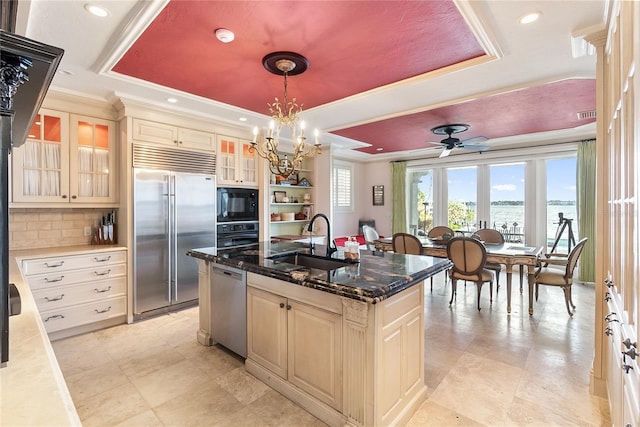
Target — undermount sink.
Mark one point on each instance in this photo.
(310, 261)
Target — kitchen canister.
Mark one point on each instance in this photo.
(352, 249)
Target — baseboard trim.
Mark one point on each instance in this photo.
(318, 409)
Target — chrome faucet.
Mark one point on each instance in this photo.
(331, 248)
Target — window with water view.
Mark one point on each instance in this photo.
(493, 196)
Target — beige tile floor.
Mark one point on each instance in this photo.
(481, 368)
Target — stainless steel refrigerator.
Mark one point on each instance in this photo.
(173, 212)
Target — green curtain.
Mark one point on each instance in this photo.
(586, 207)
(398, 189)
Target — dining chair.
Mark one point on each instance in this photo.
(563, 278)
(435, 233)
(405, 243)
(370, 236)
(439, 231)
(469, 257)
(492, 237)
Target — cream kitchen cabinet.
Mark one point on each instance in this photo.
(236, 165)
(76, 293)
(67, 158)
(161, 133)
(297, 341)
(346, 361)
(621, 367)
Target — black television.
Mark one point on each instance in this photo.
(26, 70)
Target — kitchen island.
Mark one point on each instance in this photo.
(345, 341)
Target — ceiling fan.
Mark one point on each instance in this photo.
(450, 142)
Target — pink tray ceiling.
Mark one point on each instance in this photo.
(352, 46)
(549, 107)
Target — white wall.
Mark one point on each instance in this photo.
(366, 175)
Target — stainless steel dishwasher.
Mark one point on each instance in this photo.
(229, 306)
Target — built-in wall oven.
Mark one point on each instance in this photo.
(237, 234)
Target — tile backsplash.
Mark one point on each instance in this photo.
(48, 228)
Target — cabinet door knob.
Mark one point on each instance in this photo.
(74, 197)
(64, 196)
(281, 305)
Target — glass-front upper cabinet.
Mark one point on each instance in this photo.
(92, 158)
(66, 158)
(236, 165)
(41, 165)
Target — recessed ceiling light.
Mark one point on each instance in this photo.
(243, 119)
(172, 100)
(224, 35)
(530, 17)
(96, 10)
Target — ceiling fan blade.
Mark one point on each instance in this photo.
(445, 152)
(433, 144)
(475, 140)
(475, 147)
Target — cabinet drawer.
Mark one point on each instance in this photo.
(64, 296)
(63, 278)
(55, 320)
(64, 263)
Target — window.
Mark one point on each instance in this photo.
(462, 185)
(342, 187)
(561, 204)
(499, 190)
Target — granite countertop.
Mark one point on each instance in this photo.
(377, 276)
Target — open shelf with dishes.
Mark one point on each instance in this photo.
(291, 204)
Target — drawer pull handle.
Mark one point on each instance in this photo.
(104, 273)
(99, 291)
(102, 259)
(103, 311)
(54, 299)
(57, 316)
(46, 279)
(54, 265)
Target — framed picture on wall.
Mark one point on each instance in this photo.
(378, 195)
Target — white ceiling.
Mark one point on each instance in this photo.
(528, 56)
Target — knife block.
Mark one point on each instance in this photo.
(99, 237)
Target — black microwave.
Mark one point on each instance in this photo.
(237, 204)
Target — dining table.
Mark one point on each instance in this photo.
(507, 254)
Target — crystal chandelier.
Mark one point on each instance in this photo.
(284, 115)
